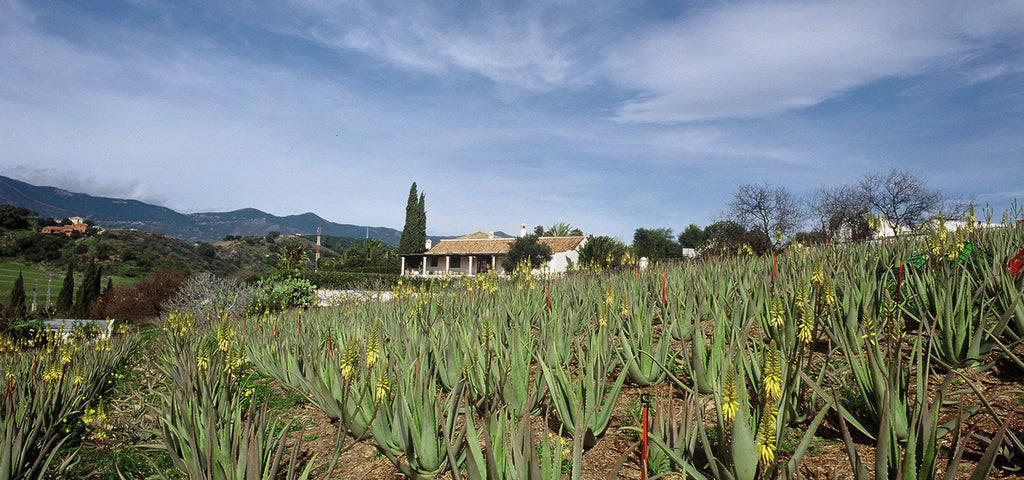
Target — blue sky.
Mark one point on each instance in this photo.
(607, 115)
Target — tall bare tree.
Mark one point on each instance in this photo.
(841, 210)
(900, 196)
(773, 211)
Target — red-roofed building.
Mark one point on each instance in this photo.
(77, 225)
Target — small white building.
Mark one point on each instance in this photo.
(482, 252)
(65, 327)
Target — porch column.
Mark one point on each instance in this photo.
(447, 262)
(470, 273)
(402, 272)
(494, 264)
(424, 265)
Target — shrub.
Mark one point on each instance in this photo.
(142, 300)
(207, 297)
(278, 294)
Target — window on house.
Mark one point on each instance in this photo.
(455, 262)
(433, 261)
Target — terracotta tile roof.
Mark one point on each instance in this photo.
(562, 244)
(471, 245)
(475, 236)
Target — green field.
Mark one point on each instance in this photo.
(35, 278)
(40, 281)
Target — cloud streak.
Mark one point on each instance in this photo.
(758, 59)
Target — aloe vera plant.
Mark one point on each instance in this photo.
(917, 456)
(638, 351)
(579, 396)
(957, 307)
(205, 430)
(47, 387)
(416, 427)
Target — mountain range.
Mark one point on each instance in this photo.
(207, 226)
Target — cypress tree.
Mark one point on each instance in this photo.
(17, 306)
(421, 224)
(66, 297)
(90, 289)
(407, 243)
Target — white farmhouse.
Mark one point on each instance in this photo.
(481, 252)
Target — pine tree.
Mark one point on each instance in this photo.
(414, 231)
(17, 306)
(66, 297)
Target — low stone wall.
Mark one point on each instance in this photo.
(328, 298)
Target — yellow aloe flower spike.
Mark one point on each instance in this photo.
(777, 313)
(766, 435)
(372, 348)
(805, 325)
(381, 392)
(350, 361)
(772, 373)
(730, 401)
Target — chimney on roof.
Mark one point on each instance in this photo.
(428, 244)
(490, 235)
(522, 230)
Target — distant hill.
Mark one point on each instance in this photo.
(208, 226)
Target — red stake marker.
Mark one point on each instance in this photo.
(548, 288)
(773, 268)
(643, 468)
(899, 283)
(664, 289)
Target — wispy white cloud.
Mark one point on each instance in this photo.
(756, 59)
(530, 45)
